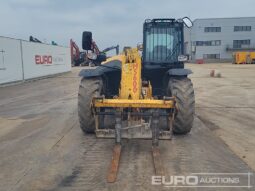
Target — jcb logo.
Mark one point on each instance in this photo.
(43, 59)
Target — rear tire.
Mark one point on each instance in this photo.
(88, 89)
(182, 89)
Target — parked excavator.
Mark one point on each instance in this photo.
(134, 96)
(85, 58)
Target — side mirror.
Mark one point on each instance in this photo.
(188, 23)
(86, 40)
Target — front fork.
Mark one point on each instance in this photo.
(158, 164)
(118, 125)
(154, 126)
(113, 170)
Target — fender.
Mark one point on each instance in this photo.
(113, 65)
(179, 72)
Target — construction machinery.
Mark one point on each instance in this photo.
(244, 58)
(33, 39)
(134, 96)
(116, 48)
(85, 58)
(76, 55)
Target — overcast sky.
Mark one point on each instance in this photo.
(111, 21)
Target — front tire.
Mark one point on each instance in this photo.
(182, 89)
(88, 89)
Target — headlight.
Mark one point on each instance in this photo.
(182, 58)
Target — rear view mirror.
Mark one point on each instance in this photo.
(86, 40)
(188, 23)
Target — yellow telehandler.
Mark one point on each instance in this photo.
(134, 96)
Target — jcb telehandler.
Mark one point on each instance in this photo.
(133, 96)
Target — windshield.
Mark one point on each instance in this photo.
(162, 44)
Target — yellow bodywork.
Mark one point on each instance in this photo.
(127, 103)
(132, 93)
(243, 57)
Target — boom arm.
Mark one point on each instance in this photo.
(95, 48)
(75, 51)
(131, 75)
(111, 48)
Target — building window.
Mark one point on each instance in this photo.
(241, 43)
(242, 28)
(199, 43)
(211, 56)
(212, 29)
(208, 43)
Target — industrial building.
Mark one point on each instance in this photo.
(216, 39)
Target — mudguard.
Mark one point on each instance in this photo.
(100, 70)
(179, 72)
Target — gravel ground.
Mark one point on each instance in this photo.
(43, 148)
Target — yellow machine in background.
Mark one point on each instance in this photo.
(244, 58)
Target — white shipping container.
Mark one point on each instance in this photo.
(10, 60)
(43, 60)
